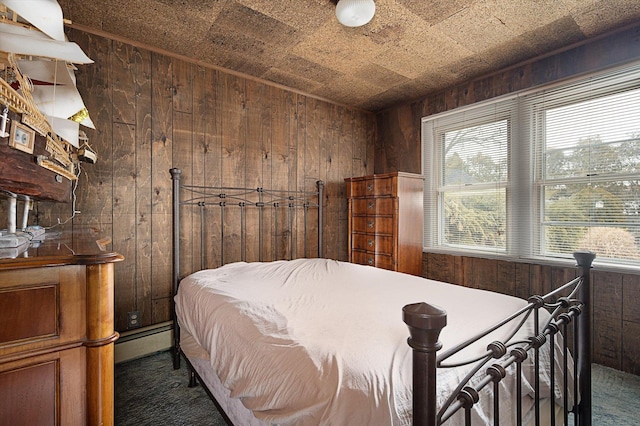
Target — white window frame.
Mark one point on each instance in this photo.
(524, 189)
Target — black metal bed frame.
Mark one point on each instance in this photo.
(425, 322)
(569, 305)
(241, 198)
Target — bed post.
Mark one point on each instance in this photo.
(175, 177)
(320, 200)
(425, 323)
(584, 260)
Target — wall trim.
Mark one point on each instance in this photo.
(143, 341)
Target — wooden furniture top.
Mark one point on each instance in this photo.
(385, 176)
(82, 246)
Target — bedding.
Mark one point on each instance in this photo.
(318, 341)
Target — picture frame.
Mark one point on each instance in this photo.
(21, 137)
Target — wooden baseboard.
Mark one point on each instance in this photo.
(143, 341)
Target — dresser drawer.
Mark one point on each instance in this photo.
(373, 225)
(373, 206)
(371, 259)
(382, 244)
(42, 308)
(373, 187)
(385, 221)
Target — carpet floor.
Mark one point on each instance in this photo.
(148, 391)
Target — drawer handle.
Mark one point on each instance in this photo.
(371, 204)
(370, 187)
(370, 224)
(370, 261)
(370, 243)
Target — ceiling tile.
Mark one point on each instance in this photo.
(411, 48)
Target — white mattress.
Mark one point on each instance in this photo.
(316, 341)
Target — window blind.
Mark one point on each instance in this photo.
(542, 173)
(587, 176)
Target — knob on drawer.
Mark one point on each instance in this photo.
(369, 187)
(371, 204)
(370, 261)
(370, 224)
(370, 242)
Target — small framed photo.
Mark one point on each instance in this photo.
(21, 137)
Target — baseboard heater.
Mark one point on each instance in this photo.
(143, 341)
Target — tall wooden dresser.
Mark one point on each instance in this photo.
(385, 221)
(57, 333)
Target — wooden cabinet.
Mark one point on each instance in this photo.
(57, 335)
(385, 221)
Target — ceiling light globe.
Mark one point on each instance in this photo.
(355, 13)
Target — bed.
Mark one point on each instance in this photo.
(306, 340)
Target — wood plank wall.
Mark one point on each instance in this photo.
(152, 112)
(616, 315)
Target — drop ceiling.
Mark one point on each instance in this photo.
(411, 47)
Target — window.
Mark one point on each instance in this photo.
(542, 173)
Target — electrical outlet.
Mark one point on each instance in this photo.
(133, 319)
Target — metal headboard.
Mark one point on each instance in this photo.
(225, 198)
(242, 199)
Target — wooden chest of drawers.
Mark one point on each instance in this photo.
(385, 221)
(57, 335)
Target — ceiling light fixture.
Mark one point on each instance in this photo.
(355, 13)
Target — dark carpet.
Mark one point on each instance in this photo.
(149, 391)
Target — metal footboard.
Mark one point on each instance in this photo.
(569, 320)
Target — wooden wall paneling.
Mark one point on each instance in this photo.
(143, 187)
(324, 138)
(278, 172)
(335, 192)
(561, 276)
(630, 345)
(123, 89)
(540, 279)
(505, 281)
(299, 184)
(631, 324)
(607, 318)
(183, 150)
(124, 221)
(281, 165)
(95, 185)
(234, 138)
(257, 167)
(370, 132)
(213, 110)
(161, 162)
(201, 108)
(137, 97)
(311, 165)
(46, 214)
(485, 274)
(398, 125)
(438, 267)
(346, 141)
(359, 157)
(182, 86)
(631, 292)
(161, 310)
(183, 156)
(123, 83)
(522, 277)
